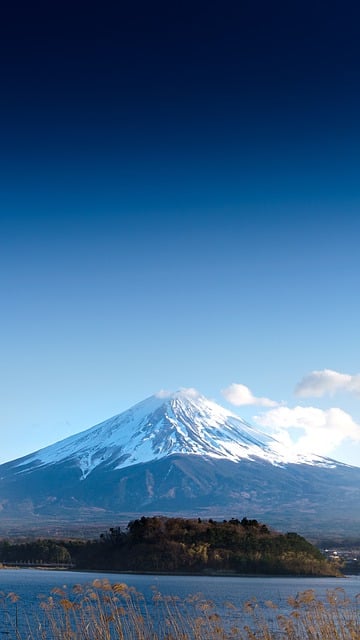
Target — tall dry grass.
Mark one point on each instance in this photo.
(104, 611)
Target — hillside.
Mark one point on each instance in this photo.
(178, 545)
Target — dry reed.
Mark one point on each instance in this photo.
(104, 611)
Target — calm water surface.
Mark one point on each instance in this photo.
(30, 584)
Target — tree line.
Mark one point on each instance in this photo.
(161, 544)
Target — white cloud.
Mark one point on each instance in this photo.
(318, 431)
(240, 395)
(163, 394)
(319, 383)
(190, 392)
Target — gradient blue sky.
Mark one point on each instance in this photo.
(180, 208)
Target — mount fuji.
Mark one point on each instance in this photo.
(178, 454)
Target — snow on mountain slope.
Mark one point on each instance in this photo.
(183, 422)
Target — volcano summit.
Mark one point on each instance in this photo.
(179, 454)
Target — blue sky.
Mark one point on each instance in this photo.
(180, 208)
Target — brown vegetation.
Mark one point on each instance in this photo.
(102, 611)
(178, 545)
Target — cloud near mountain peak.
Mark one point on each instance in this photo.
(318, 431)
(327, 382)
(240, 395)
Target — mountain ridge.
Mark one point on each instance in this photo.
(178, 454)
(161, 425)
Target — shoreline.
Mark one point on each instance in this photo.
(217, 574)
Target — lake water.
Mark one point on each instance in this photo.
(228, 594)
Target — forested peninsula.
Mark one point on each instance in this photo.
(177, 545)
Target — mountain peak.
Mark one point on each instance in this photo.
(184, 392)
(177, 453)
(183, 422)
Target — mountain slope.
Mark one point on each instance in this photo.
(184, 422)
(178, 453)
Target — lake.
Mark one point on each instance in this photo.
(228, 594)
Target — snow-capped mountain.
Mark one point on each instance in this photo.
(183, 422)
(183, 454)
